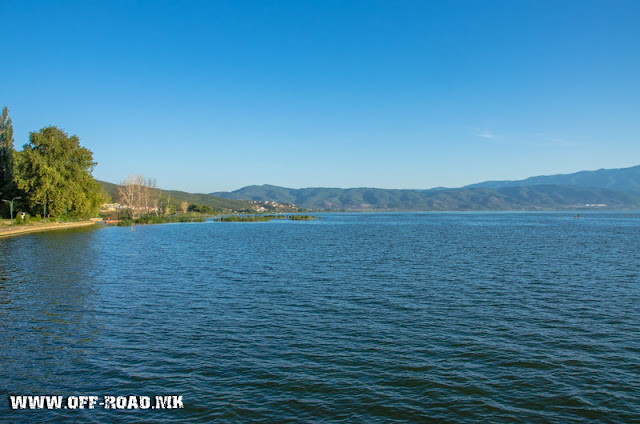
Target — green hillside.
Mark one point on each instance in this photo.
(176, 197)
(541, 197)
(615, 188)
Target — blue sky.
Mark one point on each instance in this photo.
(216, 95)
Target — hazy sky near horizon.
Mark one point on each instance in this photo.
(216, 95)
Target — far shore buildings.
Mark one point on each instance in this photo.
(110, 207)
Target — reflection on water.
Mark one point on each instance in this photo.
(354, 318)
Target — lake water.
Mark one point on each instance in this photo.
(408, 317)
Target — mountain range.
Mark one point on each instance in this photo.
(625, 179)
(608, 188)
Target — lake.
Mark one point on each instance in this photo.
(355, 318)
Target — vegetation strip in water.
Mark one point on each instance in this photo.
(263, 218)
(159, 219)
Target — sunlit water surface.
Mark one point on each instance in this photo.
(416, 317)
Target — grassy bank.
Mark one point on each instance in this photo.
(8, 230)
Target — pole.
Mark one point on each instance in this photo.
(11, 206)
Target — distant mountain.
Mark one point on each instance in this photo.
(623, 179)
(615, 188)
(540, 197)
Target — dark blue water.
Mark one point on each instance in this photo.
(465, 317)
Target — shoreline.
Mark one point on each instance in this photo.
(16, 231)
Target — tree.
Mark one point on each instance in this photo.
(55, 171)
(139, 194)
(184, 206)
(201, 208)
(7, 154)
(154, 194)
(129, 193)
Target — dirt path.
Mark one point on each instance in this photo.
(17, 230)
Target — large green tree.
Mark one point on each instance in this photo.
(7, 153)
(54, 172)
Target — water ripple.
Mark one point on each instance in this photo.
(355, 318)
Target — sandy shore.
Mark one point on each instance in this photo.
(17, 230)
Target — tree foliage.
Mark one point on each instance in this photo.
(200, 208)
(7, 153)
(55, 171)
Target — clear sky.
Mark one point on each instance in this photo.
(216, 95)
